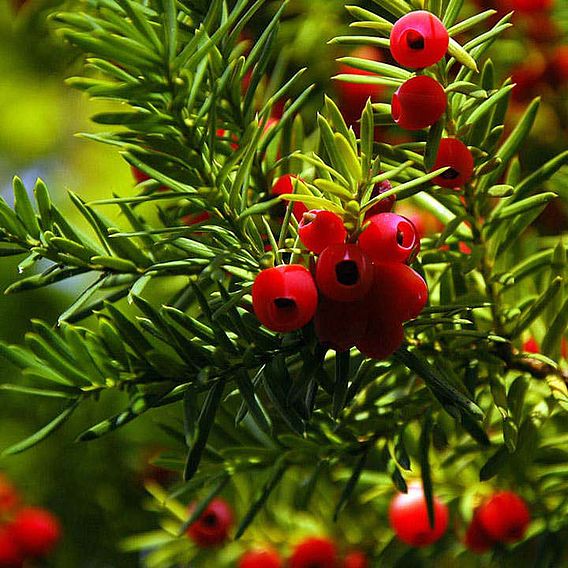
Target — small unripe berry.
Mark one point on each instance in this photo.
(455, 154)
(265, 558)
(344, 273)
(505, 517)
(285, 184)
(319, 229)
(314, 553)
(408, 517)
(355, 559)
(418, 39)
(384, 206)
(388, 237)
(213, 525)
(476, 539)
(285, 297)
(36, 531)
(418, 103)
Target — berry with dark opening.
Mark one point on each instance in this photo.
(285, 184)
(505, 517)
(418, 39)
(398, 293)
(418, 103)
(340, 325)
(314, 553)
(388, 237)
(265, 558)
(454, 154)
(408, 517)
(344, 272)
(213, 525)
(476, 539)
(36, 531)
(319, 229)
(285, 297)
(355, 559)
(384, 206)
(11, 556)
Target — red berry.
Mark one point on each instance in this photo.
(285, 297)
(418, 39)
(408, 517)
(284, 185)
(355, 559)
(528, 79)
(194, 218)
(36, 531)
(419, 102)
(344, 273)
(399, 293)
(319, 229)
(225, 134)
(353, 96)
(531, 6)
(340, 325)
(476, 539)
(11, 556)
(455, 154)
(505, 517)
(389, 237)
(558, 66)
(382, 338)
(314, 553)
(139, 175)
(384, 206)
(531, 346)
(9, 498)
(213, 525)
(260, 559)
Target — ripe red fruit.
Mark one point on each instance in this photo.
(194, 218)
(285, 297)
(9, 498)
(383, 336)
(557, 68)
(10, 554)
(285, 184)
(213, 525)
(418, 103)
(353, 96)
(505, 517)
(36, 531)
(319, 229)
(384, 206)
(340, 325)
(418, 39)
(314, 553)
(260, 559)
(476, 539)
(139, 175)
(531, 346)
(399, 293)
(355, 559)
(344, 273)
(389, 237)
(408, 517)
(455, 154)
(531, 6)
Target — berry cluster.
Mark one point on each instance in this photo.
(360, 292)
(418, 40)
(211, 529)
(25, 532)
(503, 518)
